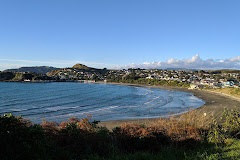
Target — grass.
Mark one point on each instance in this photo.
(229, 91)
(204, 152)
(182, 138)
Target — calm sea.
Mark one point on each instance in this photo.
(59, 101)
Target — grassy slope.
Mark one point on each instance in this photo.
(229, 91)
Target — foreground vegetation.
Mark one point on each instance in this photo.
(184, 138)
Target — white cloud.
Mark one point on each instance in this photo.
(4, 66)
(235, 59)
(194, 59)
(172, 61)
(195, 62)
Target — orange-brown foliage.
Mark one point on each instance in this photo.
(49, 127)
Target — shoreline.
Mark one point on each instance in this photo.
(215, 103)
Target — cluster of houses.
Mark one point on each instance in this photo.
(196, 79)
(73, 74)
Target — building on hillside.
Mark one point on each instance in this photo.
(194, 86)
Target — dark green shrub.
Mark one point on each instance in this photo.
(231, 125)
(23, 140)
(216, 133)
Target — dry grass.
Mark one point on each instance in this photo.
(191, 125)
(82, 124)
(178, 128)
(228, 91)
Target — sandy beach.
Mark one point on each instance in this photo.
(212, 109)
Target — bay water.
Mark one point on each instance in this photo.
(60, 101)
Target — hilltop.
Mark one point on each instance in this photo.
(78, 72)
(36, 69)
(82, 66)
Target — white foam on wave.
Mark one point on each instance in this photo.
(19, 110)
(85, 113)
(58, 108)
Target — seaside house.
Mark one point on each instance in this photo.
(194, 86)
(227, 84)
(150, 77)
(27, 80)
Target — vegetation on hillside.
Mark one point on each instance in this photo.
(79, 72)
(81, 66)
(37, 69)
(53, 72)
(84, 139)
(224, 71)
(21, 76)
(6, 76)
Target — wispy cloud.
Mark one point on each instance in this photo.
(195, 62)
(37, 62)
(4, 66)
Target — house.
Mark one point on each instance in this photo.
(27, 80)
(193, 86)
(227, 84)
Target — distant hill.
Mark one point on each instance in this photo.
(86, 68)
(225, 71)
(37, 69)
(182, 69)
(78, 67)
(81, 66)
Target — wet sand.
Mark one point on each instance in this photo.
(212, 109)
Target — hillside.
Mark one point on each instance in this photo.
(37, 69)
(81, 66)
(225, 71)
(78, 71)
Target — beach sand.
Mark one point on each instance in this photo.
(212, 109)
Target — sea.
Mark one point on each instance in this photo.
(102, 102)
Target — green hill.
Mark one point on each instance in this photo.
(81, 66)
(77, 68)
(37, 69)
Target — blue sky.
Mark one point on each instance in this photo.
(109, 33)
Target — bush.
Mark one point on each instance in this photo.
(216, 133)
(23, 140)
(83, 139)
(231, 125)
(79, 137)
